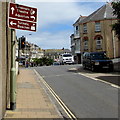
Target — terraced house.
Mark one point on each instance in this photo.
(95, 32)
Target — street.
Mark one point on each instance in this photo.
(84, 96)
(59, 60)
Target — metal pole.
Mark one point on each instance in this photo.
(114, 48)
(19, 46)
(25, 53)
(13, 73)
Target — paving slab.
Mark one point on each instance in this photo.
(31, 101)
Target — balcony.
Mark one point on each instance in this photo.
(76, 34)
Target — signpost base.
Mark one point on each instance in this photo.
(12, 106)
(13, 89)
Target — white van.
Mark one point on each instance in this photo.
(66, 58)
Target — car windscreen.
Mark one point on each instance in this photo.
(99, 56)
(67, 55)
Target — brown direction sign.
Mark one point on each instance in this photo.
(22, 12)
(23, 25)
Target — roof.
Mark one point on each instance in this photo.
(57, 50)
(79, 19)
(104, 12)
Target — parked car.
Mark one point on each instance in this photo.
(56, 63)
(66, 58)
(96, 61)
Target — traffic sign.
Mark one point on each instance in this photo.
(23, 12)
(23, 25)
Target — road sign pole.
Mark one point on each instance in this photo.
(26, 22)
(13, 73)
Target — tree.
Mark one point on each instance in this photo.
(116, 11)
(43, 61)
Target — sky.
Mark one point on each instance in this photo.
(55, 20)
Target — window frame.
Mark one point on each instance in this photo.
(85, 28)
(98, 42)
(76, 30)
(86, 44)
(97, 26)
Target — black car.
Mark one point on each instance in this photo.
(96, 61)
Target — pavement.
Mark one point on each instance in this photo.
(32, 101)
(116, 63)
(111, 77)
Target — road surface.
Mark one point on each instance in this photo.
(85, 97)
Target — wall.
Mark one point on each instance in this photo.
(5, 58)
(110, 43)
(0, 60)
(4, 61)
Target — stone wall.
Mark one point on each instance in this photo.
(110, 43)
(5, 58)
(0, 61)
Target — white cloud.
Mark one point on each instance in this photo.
(63, 0)
(47, 40)
(51, 14)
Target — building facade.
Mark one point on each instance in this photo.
(76, 40)
(30, 52)
(96, 32)
(36, 52)
(55, 53)
(5, 58)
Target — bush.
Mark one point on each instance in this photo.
(43, 61)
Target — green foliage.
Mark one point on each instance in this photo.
(43, 61)
(116, 27)
(116, 11)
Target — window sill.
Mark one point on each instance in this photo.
(97, 31)
(85, 49)
(98, 48)
(84, 32)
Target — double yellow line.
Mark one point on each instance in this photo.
(61, 103)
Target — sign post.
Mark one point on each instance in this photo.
(23, 18)
(13, 73)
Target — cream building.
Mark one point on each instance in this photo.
(95, 32)
(76, 40)
(35, 52)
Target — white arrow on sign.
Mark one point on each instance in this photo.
(32, 17)
(12, 10)
(11, 23)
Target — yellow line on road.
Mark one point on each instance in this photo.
(65, 108)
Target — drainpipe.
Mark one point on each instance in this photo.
(13, 73)
(114, 48)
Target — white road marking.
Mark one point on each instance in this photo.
(113, 85)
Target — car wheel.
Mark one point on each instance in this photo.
(84, 66)
(111, 69)
(92, 68)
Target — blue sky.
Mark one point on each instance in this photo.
(55, 20)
